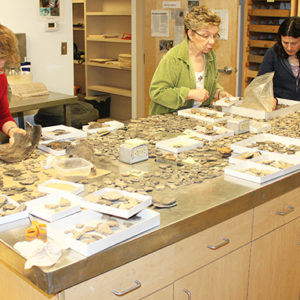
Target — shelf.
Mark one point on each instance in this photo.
(108, 66)
(108, 13)
(264, 28)
(110, 90)
(108, 40)
(280, 13)
(261, 43)
(78, 1)
(78, 28)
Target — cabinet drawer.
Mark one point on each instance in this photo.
(197, 250)
(275, 213)
(165, 294)
(153, 271)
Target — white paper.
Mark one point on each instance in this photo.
(159, 23)
(223, 14)
(171, 4)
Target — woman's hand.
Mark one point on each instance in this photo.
(199, 95)
(12, 132)
(221, 94)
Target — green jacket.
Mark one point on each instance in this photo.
(175, 76)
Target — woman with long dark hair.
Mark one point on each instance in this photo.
(284, 59)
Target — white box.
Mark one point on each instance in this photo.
(133, 151)
(258, 127)
(220, 133)
(145, 201)
(259, 114)
(37, 207)
(236, 171)
(187, 144)
(143, 221)
(238, 125)
(221, 116)
(71, 133)
(13, 217)
(75, 188)
(109, 125)
(243, 146)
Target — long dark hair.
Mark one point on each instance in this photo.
(289, 27)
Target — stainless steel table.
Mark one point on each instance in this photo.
(19, 105)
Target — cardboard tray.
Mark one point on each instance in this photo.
(123, 213)
(13, 217)
(187, 113)
(37, 207)
(72, 133)
(169, 144)
(78, 187)
(235, 170)
(110, 126)
(259, 114)
(144, 221)
(243, 146)
(223, 132)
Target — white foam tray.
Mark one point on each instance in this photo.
(147, 219)
(109, 125)
(187, 113)
(73, 133)
(221, 132)
(295, 161)
(227, 101)
(259, 114)
(37, 207)
(43, 146)
(234, 170)
(78, 187)
(13, 217)
(123, 213)
(169, 144)
(243, 146)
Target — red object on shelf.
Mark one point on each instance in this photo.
(126, 36)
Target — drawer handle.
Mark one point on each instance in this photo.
(283, 213)
(225, 242)
(188, 293)
(137, 285)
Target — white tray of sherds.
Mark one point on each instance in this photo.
(95, 127)
(179, 144)
(53, 207)
(11, 210)
(60, 186)
(289, 107)
(62, 132)
(204, 114)
(227, 101)
(266, 143)
(255, 172)
(210, 133)
(57, 148)
(89, 232)
(116, 202)
(286, 163)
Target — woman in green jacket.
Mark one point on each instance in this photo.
(187, 75)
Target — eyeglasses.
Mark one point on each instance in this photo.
(206, 36)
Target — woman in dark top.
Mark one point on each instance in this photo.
(283, 58)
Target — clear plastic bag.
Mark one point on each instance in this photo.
(259, 93)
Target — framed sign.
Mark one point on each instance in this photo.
(49, 8)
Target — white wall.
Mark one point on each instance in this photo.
(43, 48)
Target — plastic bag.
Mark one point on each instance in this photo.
(259, 93)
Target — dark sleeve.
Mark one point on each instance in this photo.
(268, 64)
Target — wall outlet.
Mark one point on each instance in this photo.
(64, 49)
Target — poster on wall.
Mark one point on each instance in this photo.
(191, 4)
(49, 8)
(223, 30)
(159, 23)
